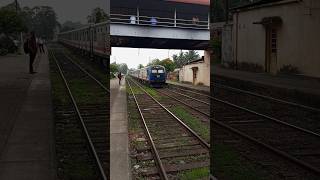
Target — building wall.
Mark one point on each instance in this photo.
(226, 44)
(298, 36)
(203, 73)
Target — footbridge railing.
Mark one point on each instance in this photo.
(136, 19)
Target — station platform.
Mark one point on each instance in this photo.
(26, 126)
(119, 142)
(201, 88)
(302, 84)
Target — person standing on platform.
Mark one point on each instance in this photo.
(119, 77)
(32, 50)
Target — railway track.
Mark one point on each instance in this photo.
(194, 100)
(290, 141)
(174, 146)
(86, 118)
(288, 95)
(296, 114)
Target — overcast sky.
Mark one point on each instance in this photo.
(134, 56)
(74, 10)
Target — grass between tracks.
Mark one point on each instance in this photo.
(135, 90)
(137, 139)
(85, 93)
(229, 165)
(194, 123)
(58, 89)
(71, 164)
(90, 66)
(152, 92)
(200, 173)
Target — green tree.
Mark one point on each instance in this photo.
(10, 22)
(123, 68)
(69, 25)
(40, 19)
(114, 67)
(183, 58)
(191, 55)
(178, 59)
(97, 15)
(140, 66)
(168, 64)
(154, 62)
(44, 21)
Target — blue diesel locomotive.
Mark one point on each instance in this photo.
(154, 75)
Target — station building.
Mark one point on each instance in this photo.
(274, 36)
(196, 72)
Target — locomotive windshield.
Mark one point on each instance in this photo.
(157, 70)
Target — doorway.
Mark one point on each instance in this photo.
(194, 75)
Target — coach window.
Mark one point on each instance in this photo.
(160, 71)
(153, 71)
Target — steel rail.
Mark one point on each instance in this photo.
(92, 148)
(184, 103)
(262, 115)
(255, 94)
(163, 173)
(190, 97)
(266, 97)
(277, 151)
(86, 72)
(203, 142)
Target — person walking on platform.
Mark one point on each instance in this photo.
(40, 44)
(31, 50)
(119, 77)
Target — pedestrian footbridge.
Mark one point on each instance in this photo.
(155, 32)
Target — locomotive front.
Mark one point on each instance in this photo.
(157, 76)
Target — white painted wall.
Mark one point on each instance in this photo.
(298, 37)
(203, 73)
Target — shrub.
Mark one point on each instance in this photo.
(7, 45)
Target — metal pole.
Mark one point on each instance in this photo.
(138, 18)
(175, 17)
(208, 20)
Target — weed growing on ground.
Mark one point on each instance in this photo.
(231, 166)
(200, 173)
(202, 129)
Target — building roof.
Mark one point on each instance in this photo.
(195, 61)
